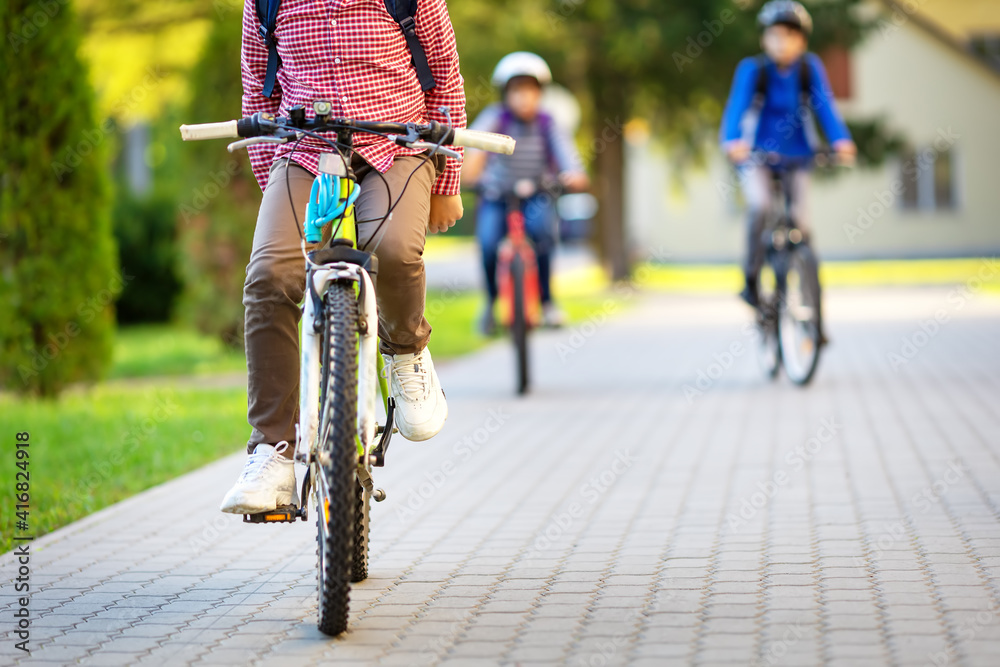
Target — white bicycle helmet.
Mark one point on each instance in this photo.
(521, 63)
(785, 12)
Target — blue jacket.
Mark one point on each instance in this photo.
(780, 128)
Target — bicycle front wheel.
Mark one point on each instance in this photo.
(799, 324)
(338, 458)
(362, 507)
(519, 324)
(768, 346)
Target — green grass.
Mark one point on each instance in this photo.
(438, 246)
(153, 350)
(729, 278)
(94, 447)
(453, 318)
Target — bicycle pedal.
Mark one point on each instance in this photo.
(281, 514)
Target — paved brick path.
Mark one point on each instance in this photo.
(654, 503)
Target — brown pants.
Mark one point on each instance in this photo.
(275, 281)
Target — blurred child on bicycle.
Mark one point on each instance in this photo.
(544, 152)
(781, 87)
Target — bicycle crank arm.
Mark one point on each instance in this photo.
(377, 456)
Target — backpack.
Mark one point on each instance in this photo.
(545, 125)
(805, 79)
(805, 97)
(402, 11)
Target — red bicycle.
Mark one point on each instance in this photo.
(517, 281)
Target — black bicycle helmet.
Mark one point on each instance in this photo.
(785, 12)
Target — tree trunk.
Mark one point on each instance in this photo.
(610, 159)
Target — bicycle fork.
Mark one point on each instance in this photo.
(369, 364)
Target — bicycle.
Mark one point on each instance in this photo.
(338, 437)
(518, 270)
(788, 314)
(517, 281)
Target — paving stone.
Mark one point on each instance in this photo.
(111, 659)
(90, 639)
(129, 644)
(65, 654)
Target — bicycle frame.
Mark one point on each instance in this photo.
(516, 243)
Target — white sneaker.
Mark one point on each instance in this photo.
(421, 408)
(268, 480)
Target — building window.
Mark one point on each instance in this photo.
(929, 177)
(837, 61)
(987, 47)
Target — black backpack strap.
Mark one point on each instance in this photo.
(267, 14)
(504, 121)
(805, 82)
(546, 125)
(403, 11)
(760, 92)
(813, 137)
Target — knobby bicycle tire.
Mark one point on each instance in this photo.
(519, 326)
(362, 507)
(768, 347)
(338, 426)
(802, 261)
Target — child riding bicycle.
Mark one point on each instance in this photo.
(543, 150)
(781, 87)
(360, 58)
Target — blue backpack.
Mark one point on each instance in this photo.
(402, 11)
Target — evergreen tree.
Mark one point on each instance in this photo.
(58, 274)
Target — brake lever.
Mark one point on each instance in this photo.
(434, 148)
(243, 143)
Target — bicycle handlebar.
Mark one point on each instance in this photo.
(281, 128)
(224, 130)
(820, 158)
(487, 141)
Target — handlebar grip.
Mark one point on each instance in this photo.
(200, 131)
(487, 141)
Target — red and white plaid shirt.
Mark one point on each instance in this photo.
(353, 53)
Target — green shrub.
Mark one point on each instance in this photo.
(145, 229)
(58, 276)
